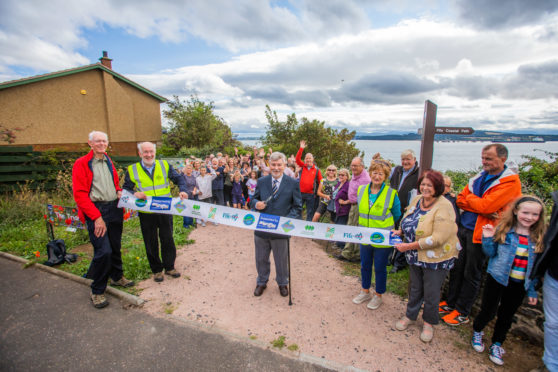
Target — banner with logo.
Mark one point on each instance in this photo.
(252, 220)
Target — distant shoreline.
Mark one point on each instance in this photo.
(477, 136)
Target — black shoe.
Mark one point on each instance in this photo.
(396, 269)
(259, 290)
(283, 290)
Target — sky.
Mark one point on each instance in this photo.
(365, 65)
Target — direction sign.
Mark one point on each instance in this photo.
(454, 130)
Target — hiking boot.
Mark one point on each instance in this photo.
(495, 353)
(476, 341)
(158, 277)
(403, 323)
(427, 332)
(122, 282)
(444, 309)
(455, 318)
(362, 296)
(173, 273)
(375, 302)
(99, 300)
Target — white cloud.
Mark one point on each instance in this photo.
(320, 59)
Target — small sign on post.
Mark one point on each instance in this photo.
(429, 129)
(454, 130)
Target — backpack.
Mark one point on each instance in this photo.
(56, 249)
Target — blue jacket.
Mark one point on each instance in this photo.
(501, 258)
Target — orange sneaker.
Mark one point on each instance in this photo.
(444, 309)
(455, 318)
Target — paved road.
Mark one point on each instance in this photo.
(48, 324)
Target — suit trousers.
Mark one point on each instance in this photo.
(264, 247)
(107, 258)
(153, 224)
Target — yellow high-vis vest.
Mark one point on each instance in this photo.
(158, 186)
(378, 215)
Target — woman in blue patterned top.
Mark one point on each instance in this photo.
(430, 246)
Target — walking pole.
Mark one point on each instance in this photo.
(289, 261)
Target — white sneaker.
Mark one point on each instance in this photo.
(427, 333)
(375, 302)
(215, 223)
(362, 296)
(203, 223)
(403, 323)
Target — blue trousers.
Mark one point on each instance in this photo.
(378, 257)
(550, 305)
(309, 200)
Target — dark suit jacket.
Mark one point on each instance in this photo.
(287, 201)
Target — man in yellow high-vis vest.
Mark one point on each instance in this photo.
(151, 177)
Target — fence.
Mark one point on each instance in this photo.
(22, 165)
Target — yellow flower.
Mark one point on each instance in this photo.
(137, 258)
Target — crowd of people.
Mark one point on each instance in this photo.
(488, 226)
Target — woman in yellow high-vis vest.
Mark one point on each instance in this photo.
(379, 208)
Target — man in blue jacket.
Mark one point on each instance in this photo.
(279, 196)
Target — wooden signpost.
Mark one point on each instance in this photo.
(429, 129)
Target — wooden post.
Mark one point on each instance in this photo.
(428, 131)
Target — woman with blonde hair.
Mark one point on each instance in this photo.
(379, 207)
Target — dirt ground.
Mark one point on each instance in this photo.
(216, 289)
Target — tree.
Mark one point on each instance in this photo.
(329, 146)
(193, 124)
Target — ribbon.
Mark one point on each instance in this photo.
(253, 220)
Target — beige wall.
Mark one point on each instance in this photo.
(54, 113)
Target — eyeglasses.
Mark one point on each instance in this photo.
(448, 185)
(331, 170)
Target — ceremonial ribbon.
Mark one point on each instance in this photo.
(253, 220)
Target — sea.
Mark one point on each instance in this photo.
(457, 156)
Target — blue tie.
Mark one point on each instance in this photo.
(274, 188)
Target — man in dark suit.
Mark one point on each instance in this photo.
(278, 195)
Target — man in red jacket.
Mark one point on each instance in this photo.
(310, 177)
(96, 192)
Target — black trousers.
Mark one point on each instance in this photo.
(501, 300)
(466, 275)
(107, 257)
(155, 227)
(227, 195)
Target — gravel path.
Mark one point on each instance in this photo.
(219, 277)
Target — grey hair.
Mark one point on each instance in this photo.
(409, 152)
(92, 134)
(278, 155)
(142, 143)
(359, 159)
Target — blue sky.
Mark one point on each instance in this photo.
(366, 65)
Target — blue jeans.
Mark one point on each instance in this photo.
(550, 305)
(379, 257)
(189, 221)
(309, 200)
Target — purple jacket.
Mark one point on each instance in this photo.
(343, 194)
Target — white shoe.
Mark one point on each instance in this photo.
(403, 323)
(375, 302)
(203, 223)
(427, 332)
(215, 223)
(362, 296)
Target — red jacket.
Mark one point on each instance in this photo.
(495, 199)
(82, 178)
(307, 176)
